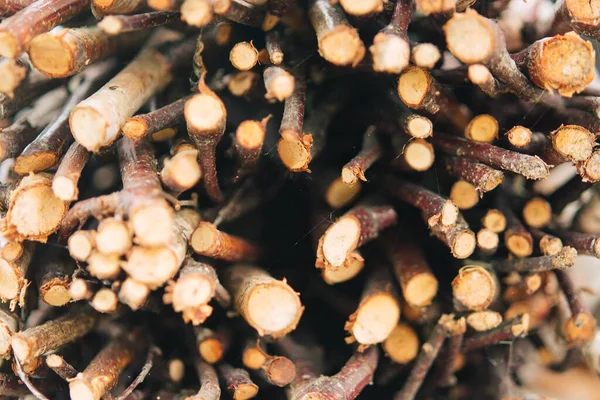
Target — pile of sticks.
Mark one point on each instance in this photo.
(297, 199)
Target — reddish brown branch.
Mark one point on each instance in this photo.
(581, 326)
(391, 47)
(358, 226)
(563, 260)
(16, 32)
(143, 125)
(371, 151)
(508, 330)
(118, 24)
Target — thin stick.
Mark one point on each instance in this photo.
(249, 140)
(103, 7)
(339, 42)
(531, 167)
(412, 271)
(483, 177)
(508, 330)
(34, 87)
(61, 367)
(143, 125)
(133, 293)
(118, 24)
(16, 137)
(103, 371)
(371, 151)
(243, 56)
(66, 179)
(33, 342)
(584, 243)
(153, 353)
(435, 208)
(23, 376)
(459, 238)
(426, 357)
(563, 260)
(393, 39)
(238, 382)
(357, 227)
(249, 285)
(46, 149)
(448, 365)
(581, 326)
(205, 116)
(273, 44)
(209, 381)
(354, 376)
(16, 32)
(293, 112)
(241, 12)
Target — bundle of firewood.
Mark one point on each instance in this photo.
(302, 199)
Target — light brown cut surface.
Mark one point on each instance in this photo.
(402, 345)
(469, 37)
(474, 288)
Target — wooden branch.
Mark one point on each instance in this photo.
(212, 345)
(339, 42)
(581, 327)
(61, 367)
(250, 286)
(546, 62)
(9, 325)
(45, 151)
(205, 116)
(209, 381)
(371, 151)
(248, 142)
(402, 344)
(484, 178)
(96, 122)
(34, 213)
(118, 24)
(34, 342)
(53, 277)
(103, 7)
(347, 384)
(143, 125)
(412, 271)
(459, 238)
(426, 357)
(563, 260)
(192, 291)
(474, 288)
(133, 293)
(66, 179)
(377, 313)
(531, 167)
(358, 226)
(279, 83)
(238, 382)
(435, 208)
(103, 371)
(155, 266)
(62, 53)
(391, 48)
(12, 74)
(491, 52)
(16, 32)
(511, 329)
